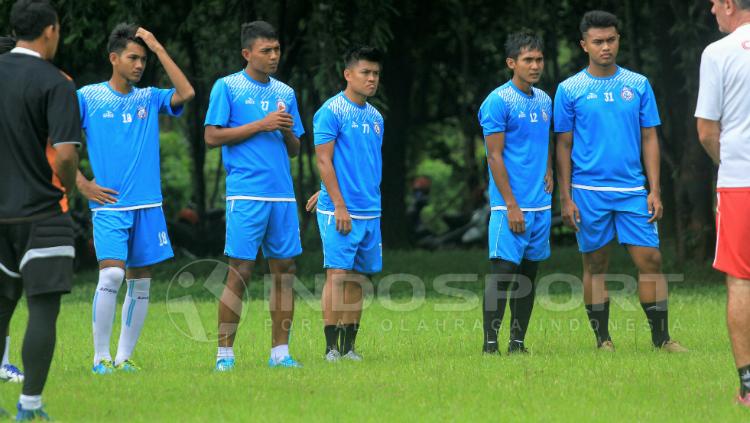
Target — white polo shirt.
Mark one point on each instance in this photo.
(724, 96)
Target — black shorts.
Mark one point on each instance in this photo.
(36, 257)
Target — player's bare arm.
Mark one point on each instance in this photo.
(708, 134)
(184, 91)
(93, 191)
(216, 136)
(324, 153)
(652, 163)
(495, 147)
(564, 150)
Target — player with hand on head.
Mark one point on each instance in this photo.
(121, 123)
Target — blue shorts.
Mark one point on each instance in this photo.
(137, 237)
(361, 250)
(532, 244)
(272, 225)
(606, 213)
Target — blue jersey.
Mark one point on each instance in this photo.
(525, 120)
(122, 138)
(258, 167)
(357, 158)
(606, 116)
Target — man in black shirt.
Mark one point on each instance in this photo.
(39, 130)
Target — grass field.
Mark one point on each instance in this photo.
(422, 364)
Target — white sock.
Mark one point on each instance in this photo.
(225, 352)
(280, 351)
(5, 354)
(105, 301)
(133, 315)
(30, 402)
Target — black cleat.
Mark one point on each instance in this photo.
(517, 347)
(490, 348)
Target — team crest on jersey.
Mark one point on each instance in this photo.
(545, 116)
(377, 128)
(354, 125)
(108, 115)
(522, 115)
(592, 96)
(250, 101)
(627, 94)
(280, 105)
(141, 112)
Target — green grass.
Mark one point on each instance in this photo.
(422, 364)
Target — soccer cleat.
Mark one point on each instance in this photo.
(490, 348)
(287, 362)
(10, 373)
(607, 346)
(744, 400)
(224, 364)
(104, 367)
(352, 356)
(30, 415)
(515, 347)
(128, 366)
(673, 347)
(333, 356)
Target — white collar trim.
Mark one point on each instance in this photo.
(23, 50)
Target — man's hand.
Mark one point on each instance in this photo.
(96, 193)
(655, 208)
(570, 214)
(312, 202)
(343, 220)
(549, 182)
(275, 121)
(515, 219)
(148, 38)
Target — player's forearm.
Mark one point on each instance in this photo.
(184, 91)
(652, 161)
(66, 166)
(292, 143)
(502, 181)
(328, 176)
(709, 135)
(564, 149)
(215, 136)
(81, 179)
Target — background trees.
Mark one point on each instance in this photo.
(443, 57)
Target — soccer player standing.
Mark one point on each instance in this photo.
(37, 104)
(515, 120)
(724, 131)
(8, 372)
(121, 123)
(606, 119)
(348, 140)
(254, 118)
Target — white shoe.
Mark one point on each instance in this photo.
(333, 356)
(10, 373)
(352, 356)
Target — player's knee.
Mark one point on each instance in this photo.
(139, 273)
(650, 262)
(110, 279)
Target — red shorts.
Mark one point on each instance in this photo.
(733, 232)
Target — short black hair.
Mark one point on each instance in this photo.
(123, 34)
(598, 19)
(357, 53)
(251, 31)
(7, 44)
(518, 41)
(29, 18)
(742, 4)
